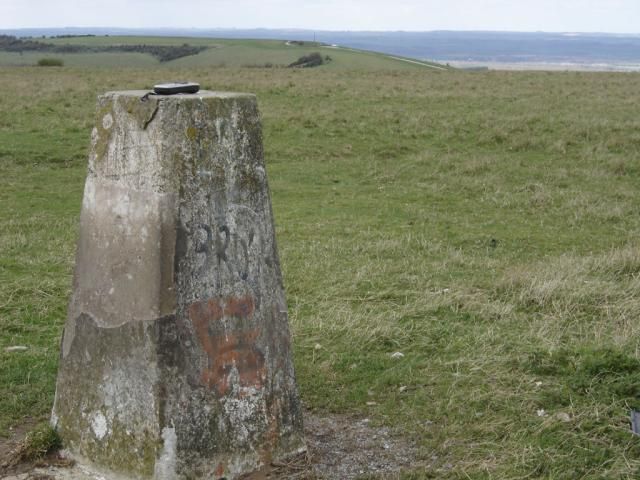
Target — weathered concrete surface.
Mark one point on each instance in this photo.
(175, 360)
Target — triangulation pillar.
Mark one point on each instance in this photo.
(176, 357)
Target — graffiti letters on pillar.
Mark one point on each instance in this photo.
(224, 249)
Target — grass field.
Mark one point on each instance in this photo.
(220, 53)
(484, 225)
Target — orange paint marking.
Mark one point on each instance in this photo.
(229, 351)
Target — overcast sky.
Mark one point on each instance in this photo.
(615, 16)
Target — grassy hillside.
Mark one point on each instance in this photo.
(218, 53)
(484, 225)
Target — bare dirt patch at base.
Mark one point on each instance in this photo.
(10, 445)
(338, 447)
(347, 447)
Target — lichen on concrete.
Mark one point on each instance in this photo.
(176, 361)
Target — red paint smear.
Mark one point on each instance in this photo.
(232, 350)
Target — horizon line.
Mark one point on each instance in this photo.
(299, 29)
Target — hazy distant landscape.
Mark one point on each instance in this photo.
(499, 50)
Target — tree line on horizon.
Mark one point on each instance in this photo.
(164, 53)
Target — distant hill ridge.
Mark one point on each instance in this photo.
(81, 49)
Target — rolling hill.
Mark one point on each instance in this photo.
(133, 51)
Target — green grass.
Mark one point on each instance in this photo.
(485, 225)
(88, 60)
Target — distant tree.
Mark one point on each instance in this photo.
(50, 62)
(307, 61)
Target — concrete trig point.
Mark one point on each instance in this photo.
(176, 357)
